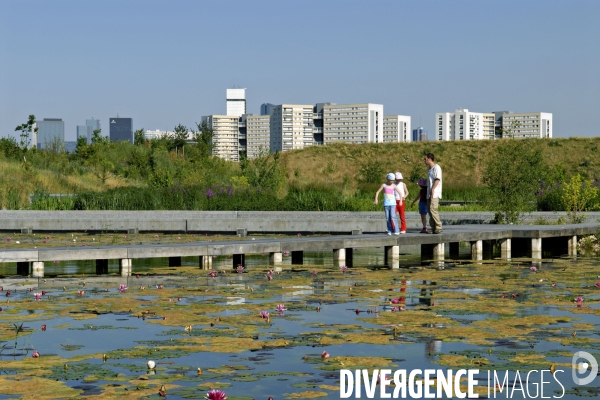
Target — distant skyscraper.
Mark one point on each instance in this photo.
(51, 132)
(84, 131)
(236, 102)
(265, 108)
(121, 129)
(419, 134)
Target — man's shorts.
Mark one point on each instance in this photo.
(422, 208)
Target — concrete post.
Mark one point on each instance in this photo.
(125, 266)
(391, 253)
(297, 257)
(477, 250)
(438, 252)
(505, 249)
(174, 261)
(101, 267)
(37, 269)
(573, 246)
(275, 258)
(239, 259)
(454, 250)
(205, 262)
(536, 248)
(339, 257)
(394, 264)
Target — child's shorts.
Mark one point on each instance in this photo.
(422, 208)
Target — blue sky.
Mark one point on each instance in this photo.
(168, 62)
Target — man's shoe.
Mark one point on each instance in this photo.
(437, 232)
(424, 230)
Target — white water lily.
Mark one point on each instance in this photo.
(151, 364)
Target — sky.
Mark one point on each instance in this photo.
(163, 63)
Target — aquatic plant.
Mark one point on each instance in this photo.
(343, 268)
(122, 288)
(324, 354)
(533, 269)
(35, 354)
(216, 394)
(313, 272)
(264, 314)
(38, 296)
(212, 273)
(240, 269)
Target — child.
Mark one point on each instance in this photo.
(400, 201)
(422, 197)
(389, 203)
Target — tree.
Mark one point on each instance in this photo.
(180, 136)
(576, 195)
(513, 175)
(138, 137)
(97, 138)
(26, 130)
(204, 138)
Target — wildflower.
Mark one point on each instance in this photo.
(533, 269)
(212, 273)
(343, 268)
(38, 296)
(209, 193)
(240, 269)
(216, 394)
(35, 354)
(264, 314)
(324, 354)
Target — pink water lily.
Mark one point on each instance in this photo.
(240, 269)
(324, 354)
(280, 307)
(343, 268)
(269, 277)
(122, 288)
(38, 296)
(395, 301)
(35, 354)
(313, 272)
(533, 269)
(216, 394)
(264, 314)
(212, 273)
(44, 327)
(271, 272)
(579, 300)
(598, 284)
(80, 293)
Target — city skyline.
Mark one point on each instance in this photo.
(165, 63)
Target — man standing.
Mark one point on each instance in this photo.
(434, 192)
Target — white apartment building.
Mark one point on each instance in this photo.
(236, 102)
(225, 136)
(461, 125)
(527, 125)
(396, 128)
(157, 134)
(258, 134)
(353, 123)
(291, 127)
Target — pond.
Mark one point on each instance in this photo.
(95, 335)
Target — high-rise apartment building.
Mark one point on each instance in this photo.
(396, 128)
(419, 134)
(236, 102)
(460, 125)
(353, 123)
(265, 108)
(258, 134)
(51, 133)
(121, 129)
(225, 136)
(291, 127)
(527, 125)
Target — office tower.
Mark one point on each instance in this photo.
(225, 136)
(353, 123)
(121, 129)
(419, 134)
(291, 127)
(258, 134)
(51, 133)
(236, 102)
(396, 128)
(265, 108)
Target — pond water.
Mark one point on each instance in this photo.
(207, 333)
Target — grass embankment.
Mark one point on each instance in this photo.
(339, 177)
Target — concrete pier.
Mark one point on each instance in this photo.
(536, 248)
(572, 246)
(205, 262)
(505, 249)
(477, 250)
(275, 258)
(37, 269)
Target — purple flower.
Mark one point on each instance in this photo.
(579, 300)
(209, 193)
(229, 191)
(38, 296)
(280, 308)
(216, 394)
(533, 269)
(264, 314)
(343, 268)
(122, 288)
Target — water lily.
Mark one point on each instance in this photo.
(313, 272)
(280, 307)
(38, 296)
(553, 284)
(44, 327)
(395, 301)
(286, 253)
(271, 272)
(240, 269)
(343, 268)
(122, 288)
(579, 300)
(216, 394)
(324, 354)
(598, 284)
(212, 273)
(264, 314)
(80, 293)
(35, 354)
(533, 269)
(151, 364)
(269, 277)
